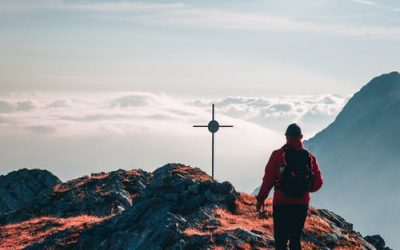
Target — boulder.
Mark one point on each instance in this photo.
(377, 241)
(25, 187)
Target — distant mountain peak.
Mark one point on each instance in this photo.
(359, 156)
(365, 113)
(381, 85)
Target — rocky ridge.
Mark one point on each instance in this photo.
(101, 194)
(174, 207)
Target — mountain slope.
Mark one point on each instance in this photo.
(174, 207)
(359, 156)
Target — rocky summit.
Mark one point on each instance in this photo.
(174, 207)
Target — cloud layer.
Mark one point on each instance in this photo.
(136, 112)
(314, 112)
(92, 114)
(75, 134)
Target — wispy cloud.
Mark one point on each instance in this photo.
(189, 16)
(376, 4)
(212, 18)
(366, 2)
(124, 6)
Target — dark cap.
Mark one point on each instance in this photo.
(293, 130)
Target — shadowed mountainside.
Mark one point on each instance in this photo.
(174, 207)
(358, 154)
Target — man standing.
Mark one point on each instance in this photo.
(294, 172)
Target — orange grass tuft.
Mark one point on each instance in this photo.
(194, 173)
(193, 231)
(316, 224)
(246, 246)
(134, 172)
(245, 216)
(219, 248)
(20, 235)
(99, 176)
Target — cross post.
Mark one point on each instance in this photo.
(213, 126)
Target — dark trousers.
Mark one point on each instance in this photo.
(288, 225)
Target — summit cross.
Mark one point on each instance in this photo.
(213, 126)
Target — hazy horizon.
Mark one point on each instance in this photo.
(73, 135)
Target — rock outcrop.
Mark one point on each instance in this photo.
(377, 241)
(24, 188)
(174, 207)
(100, 194)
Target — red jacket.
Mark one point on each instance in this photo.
(272, 177)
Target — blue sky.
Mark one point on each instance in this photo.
(197, 48)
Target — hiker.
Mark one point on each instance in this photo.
(294, 173)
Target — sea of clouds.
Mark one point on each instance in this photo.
(78, 133)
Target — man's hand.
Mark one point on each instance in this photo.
(260, 206)
(262, 213)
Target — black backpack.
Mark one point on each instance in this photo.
(296, 177)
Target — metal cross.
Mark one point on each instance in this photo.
(213, 127)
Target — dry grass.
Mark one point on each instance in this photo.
(76, 183)
(134, 172)
(316, 224)
(246, 217)
(246, 246)
(99, 176)
(194, 231)
(20, 235)
(60, 188)
(219, 248)
(194, 173)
